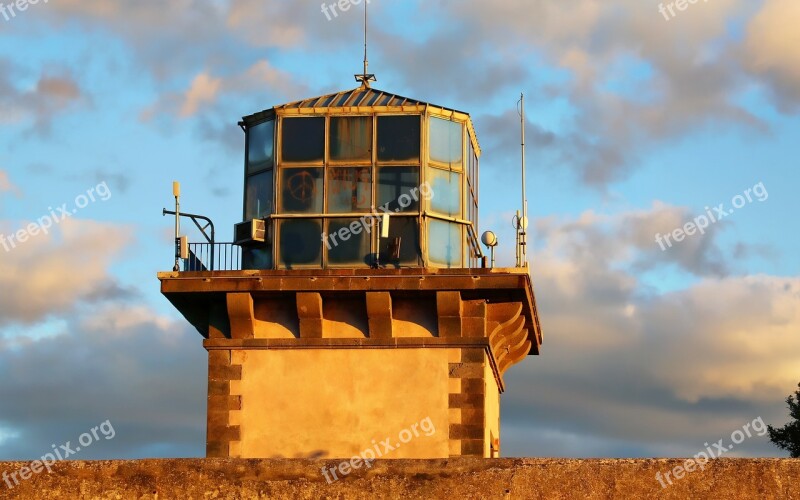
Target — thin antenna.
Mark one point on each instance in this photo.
(522, 259)
(365, 77)
(366, 24)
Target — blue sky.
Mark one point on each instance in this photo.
(635, 125)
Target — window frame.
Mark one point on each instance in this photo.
(459, 165)
(318, 163)
(328, 159)
(248, 174)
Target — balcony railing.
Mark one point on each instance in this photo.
(228, 256)
(216, 257)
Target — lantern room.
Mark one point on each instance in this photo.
(359, 179)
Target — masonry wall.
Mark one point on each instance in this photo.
(341, 402)
(401, 479)
(430, 401)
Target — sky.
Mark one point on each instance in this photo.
(638, 122)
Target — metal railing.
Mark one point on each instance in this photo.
(474, 242)
(224, 257)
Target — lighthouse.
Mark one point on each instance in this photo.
(355, 301)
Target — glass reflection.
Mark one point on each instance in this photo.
(446, 187)
(301, 191)
(300, 243)
(446, 142)
(255, 258)
(349, 189)
(261, 146)
(398, 138)
(351, 138)
(445, 243)
(407, 229)
(303, 139)
(258, 196)
(348, 243)
(398, 189)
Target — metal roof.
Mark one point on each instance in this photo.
(360, 97)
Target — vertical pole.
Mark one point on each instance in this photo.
(523, 222)
(213, 247)
(176, 192)
(366, 63)
(517, 245)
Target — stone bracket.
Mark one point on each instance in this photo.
(241, 314)
(309, 311)
(508, 337)
(379, 314)
(450, 310)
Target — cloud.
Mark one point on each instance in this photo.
(206, 92)
(104, 354)
(250, 19)
(51, 95)
(143, 372)
(628, 371)
(629, 80)
(53, 273)
(630, 238)
(203, 90)
(6, 186)
(772, 48)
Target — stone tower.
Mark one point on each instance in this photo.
(354, 306)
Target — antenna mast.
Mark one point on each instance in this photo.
(522, 221)
(365, 77)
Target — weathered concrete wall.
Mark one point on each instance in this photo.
(341, 402)
(453, 478)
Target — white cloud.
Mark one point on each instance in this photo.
(772, 49)
(52, 273)
(204, 90)
(647, 373)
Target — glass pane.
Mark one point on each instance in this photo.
(398, 138)
(445, 243)
(303, 139)
(348, 242)
(349, 189)
(256, 258)
(258, 196)
(261, 146)
(398, 189)
(474, 169)
(407, 229)
(351, 138)
(446, 142)
(300, 243)
(301, 191)
(446, 187)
